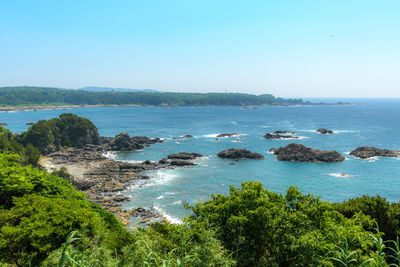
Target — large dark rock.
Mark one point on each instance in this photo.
(227, 135)
(365, 152)
(184, 156)
(298, 152)
(324, 131)
(239, 153)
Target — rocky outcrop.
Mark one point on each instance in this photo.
(184, 156)
(324, 131)
(227, 135)
(239, 153)
(3, 124)
(298, 152)
(365, 152)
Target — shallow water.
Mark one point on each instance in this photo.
(373, 123)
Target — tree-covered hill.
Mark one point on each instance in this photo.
(31, 96)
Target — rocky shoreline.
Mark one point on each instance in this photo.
(102, 179)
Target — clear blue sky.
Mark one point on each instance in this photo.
(289, 48)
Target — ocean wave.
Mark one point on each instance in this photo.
(169, 218)
(179, 202)
(340, 175)
(160, 197)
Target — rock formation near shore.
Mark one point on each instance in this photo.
(365, 152)
(298, 152)
(324, 131)
(123, 142)
(239, 153)
(184, 156)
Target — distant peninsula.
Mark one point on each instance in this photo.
(23, 97)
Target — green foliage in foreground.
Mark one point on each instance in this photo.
(9, 144)
(45, 221)
(14, 96)
(265, 228)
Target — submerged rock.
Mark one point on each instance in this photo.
(283, 132)
(324, 131)
(239, 153)
(279, 136)
(298, 152)
(227, 135)
(365, 152)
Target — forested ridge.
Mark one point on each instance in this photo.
(30, 96)
(46, 221)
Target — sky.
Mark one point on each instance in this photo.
(290, 48)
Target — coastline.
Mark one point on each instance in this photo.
(42, 107)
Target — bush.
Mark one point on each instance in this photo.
(9, 144)
(263, 228)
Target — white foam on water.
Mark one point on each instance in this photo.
(345, 131)
(177, 202)
(160, 197)
(372, 159)
(210, 135)
(166, 216)
(340, 175)
(110, 155)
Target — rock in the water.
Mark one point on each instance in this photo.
(227, 135)
(184, 155)
(365, 152)
(187, 136)
(324, 131)
(279, 136)
(298, 152)
(180, 162)
(239, 153)
(3, 124)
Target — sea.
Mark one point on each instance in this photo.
(369, 122)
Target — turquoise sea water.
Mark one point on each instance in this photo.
(373, 123)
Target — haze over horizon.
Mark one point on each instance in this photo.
(289, 49)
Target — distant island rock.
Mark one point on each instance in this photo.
(324, 131)
(365, 152)
(3, 124)
(239, 153)
(298, 152)
(227, 135)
